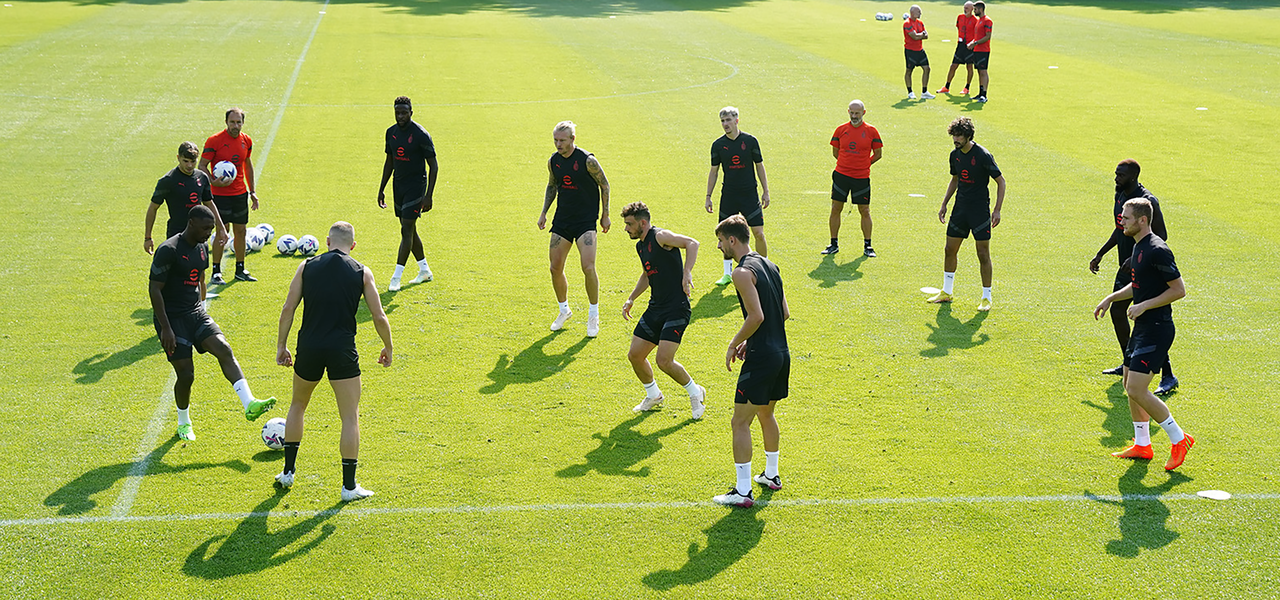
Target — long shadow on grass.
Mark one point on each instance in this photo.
(76, 497)
(828, 273)
(728, 540)
(621, 449)
(719, 301)
(1117, 422)
(388, 306)
(531, 364)
(1143, 522)
(91, 369)
(952, 334)
(253, 547)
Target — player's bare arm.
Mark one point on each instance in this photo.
(387, 167)
(876, 154)
(547, 200)
(597, 173)
(380, 321)
(995, 212)
(252, 181)
(641, 286)
(1123, 293)
(147, 245)
(835, 152)
(291, 301)
(1177, 290)
(951, 190)
(433, 168)
(745, 282)
(213, 181)
(711, 184)
(168, 340)
(669, 240)
(764, 185)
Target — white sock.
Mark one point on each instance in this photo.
(651, 389)
(744, 477)
(691, 387)
(564, 307)
(242, 389)
(1141, 433)
(422, 265)
(770, 464)
(593, 310)
(399, 272)
(986, 293)
(184, 416)
(1171, 427)
(728, 267)
(948, 281)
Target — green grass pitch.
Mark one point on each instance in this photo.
(926, 452)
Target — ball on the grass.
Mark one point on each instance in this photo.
(268, 230)
(254, 240)
(287, 245)
(308, 245)
(224, 171)
(273, 433)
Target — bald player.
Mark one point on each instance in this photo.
(856, 146)
(964, 54)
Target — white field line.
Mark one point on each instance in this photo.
(611, 506)
(129, 492)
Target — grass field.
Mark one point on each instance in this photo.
(926, 451)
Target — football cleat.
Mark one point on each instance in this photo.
(726, 280)
(939, 298)
(394, 286)
(649, 404)
(911, 95)
(558, 324)
(944, 90)
(186, 433)
(1178, 452)
(357, 494)
(245, 276)
(284, 480)
(868, 252)
(965, 92)
(733, 498)
(1167, 384)
(593, 325)
(1135, 451)
(982, 99)
(216, 279)
(984, 305)
(258, 407)
(1114, 371)
(927, 96)
(773, 483)
(424, 276)
(832, 249)
(697, 404)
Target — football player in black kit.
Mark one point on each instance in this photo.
(408, 146)
(669, 281)
(177, 293)
(1155, 284)
(1127, 187)
(579, 184)
(329, 287)
(972, 167)
(761, 343)
(181, 188)
(739, 154)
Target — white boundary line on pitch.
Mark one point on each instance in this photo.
(142, 462)
(516, 508)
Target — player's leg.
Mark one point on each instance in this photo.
(983, 80)
(833, 223)
(638, 356)
(984, 265)
(951, 74)
(1168, 382)
(419, 254)
(911, 95)
(1120, 323)
(217, 346)
(968, 80)
(741, 494)
(185, 375)
(762, 247)
(242, 274)
(1150, 346)
(924, 80)
(864, 211)
(559, 254)
(950, 258)
(347, 393)
(294, 424)
(587, 255)
(728, 207)
(771, 435)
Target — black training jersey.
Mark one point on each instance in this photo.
(332, 284)
(975, 169)
(772, 334)
(1153, 269)
(181, 192)
(180, 266)
(577, 193)
(665, 270)
(1124, 243)
(409, 148)
(738, 157)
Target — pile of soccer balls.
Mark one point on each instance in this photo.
(306, 245)
(255, 239)
(883, 16)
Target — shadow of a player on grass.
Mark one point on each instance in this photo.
(76, 497)
(1116, 421)
(828, 273)
(531, 364)
(253, 547)
(362, 312)
(622, 449)
(718, 301)
(952, 334)
(91, 369)
(728, 540)
(1143, 524)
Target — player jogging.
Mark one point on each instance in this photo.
(913, 37)
(177, 292)
(408, 145)
(330, 287)
(738, 153)
(182, 188)
(971, 169)
(964, 55)
(669, 281)
(856, 146)
(980, 43)
(1156, 283)
(761, 343)
(231, 197)
(579, 184)
(1127, 187)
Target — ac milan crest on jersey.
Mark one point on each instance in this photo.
(575, 165)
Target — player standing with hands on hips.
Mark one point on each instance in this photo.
(408, 146)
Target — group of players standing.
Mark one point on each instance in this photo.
(973, 49)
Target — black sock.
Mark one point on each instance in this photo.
(866, 242)
(217, 268)
(982, 91)
(835, 242)
(291, 456)
(349, 473)
(1167, 368)
(908, 89)
(239, 266)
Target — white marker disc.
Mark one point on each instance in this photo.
(930, 290)
(1214, 494)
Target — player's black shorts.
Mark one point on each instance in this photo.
(981, 60)
(740, 202)
(916, 58)
(408, 198)
(1149, 346)
(964, 55)
(233, 209)
(844, 187)
(190, 330)
(572, 231)
(764, 378)
(1124, 276)
(173, 228)
(342, 363)
(663, 324)
(966, 220)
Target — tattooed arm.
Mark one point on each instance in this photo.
(593, 167)
(549, 198)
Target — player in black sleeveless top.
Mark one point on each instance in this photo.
(578, 183)
(669, 281)
(329, 287)
(181, 188)
(761, 343)
(1156, 283)
(738, 153)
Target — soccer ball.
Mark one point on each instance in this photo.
(906, 16)
(254, 240)
(308, 245)
(267, 229)
(287, 245)
(273, 433)
(224, 171)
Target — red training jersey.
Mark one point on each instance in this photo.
(964, 24)
(912, 25)
(981, 29)
(221, 146)
(855, 144)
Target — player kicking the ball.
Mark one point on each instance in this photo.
(972, 167)
(408, 146)
(761, 343)
(177, 293)
(330, 287)
(669, 281)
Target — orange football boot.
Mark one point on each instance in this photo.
(1136, 452)
(1178, 452)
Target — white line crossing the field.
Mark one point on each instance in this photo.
(624, 506)
(142, 462)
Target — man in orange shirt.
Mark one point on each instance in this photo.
(913, 36)
(980, 42)
(231, 196)
(963, 55)
(856, 146)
